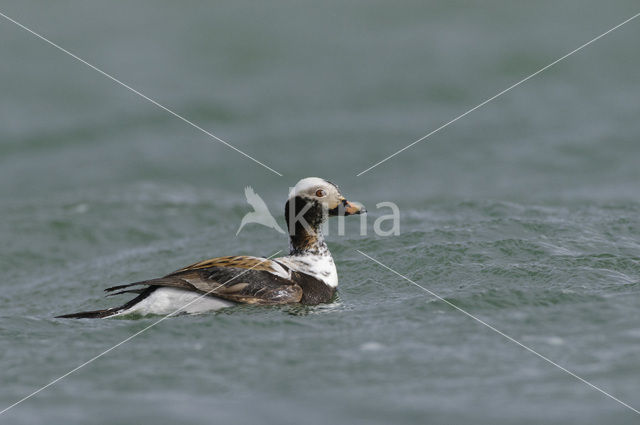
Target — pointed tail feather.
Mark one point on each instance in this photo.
(107, 312)
(127, 285)
(126, 291)
(95, 314)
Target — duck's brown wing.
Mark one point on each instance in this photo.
(243, 279)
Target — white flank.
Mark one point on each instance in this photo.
(168, 300)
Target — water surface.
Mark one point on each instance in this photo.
(524, 213)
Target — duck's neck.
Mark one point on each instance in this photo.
(304, 221)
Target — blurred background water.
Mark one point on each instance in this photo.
(524, 213)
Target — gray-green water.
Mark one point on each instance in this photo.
(524, 213)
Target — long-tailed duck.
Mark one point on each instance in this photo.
(307, 275)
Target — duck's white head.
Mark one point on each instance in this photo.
(310, 202)
(325, 193)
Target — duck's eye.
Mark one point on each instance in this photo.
(320, 193)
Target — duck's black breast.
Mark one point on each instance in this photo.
(314, 291)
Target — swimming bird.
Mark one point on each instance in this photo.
(307, 275)
(260, 213)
